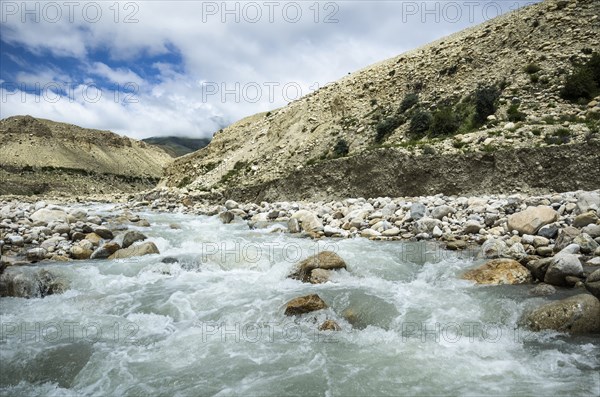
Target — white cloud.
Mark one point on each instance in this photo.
(120, 76)
(219, 54)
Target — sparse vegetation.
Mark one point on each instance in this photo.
(584, 82)
(532, 68)
(409, 101)
(429, 150)
(458, 144)
(489, 148)
(341, 148)
(485, 103)
(184, 182)
(558, 137)
(549, 120)
(444, 122)
(420, 123)
(386, 127)
(514, 114)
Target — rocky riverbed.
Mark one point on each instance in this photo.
(552, 241)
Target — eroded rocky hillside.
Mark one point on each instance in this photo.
(487, 91)
(42, 156)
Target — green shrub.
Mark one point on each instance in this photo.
(386, 127)
(532, 68)
(458, 144)
(409, 101)
(536, 131)
(489, 148)
(584, 81)
(184, 182)
(429, 150)
(558, 137)
(341, 148)
(534, 78)
(420, 123)
(485, 103)
(514, 114)
(444, 122)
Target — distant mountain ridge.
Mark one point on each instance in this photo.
(39, 156)
(177, 146)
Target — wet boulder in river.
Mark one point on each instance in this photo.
(326, 260)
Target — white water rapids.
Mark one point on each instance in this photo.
(213, 324)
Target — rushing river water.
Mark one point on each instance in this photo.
(213, 324)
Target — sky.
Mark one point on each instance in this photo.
(189, 68)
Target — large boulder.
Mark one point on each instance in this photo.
(417, 211)
(22, 282)
(532, 219)
(442, 211)
(308, 221)
(586, 243)
(562, 266)
(494, 248)
(565, 237)
(131, 237)
(36, 254)
(539, 267)
(592, 283)
(105, 251)
(147, 248)
(304, 304)
(587, 218)
(104, 232)
(226, 217)
(326, 260)
(578, 314)
(79, 252)
(499, 271)
(588, 201)
(45, 216)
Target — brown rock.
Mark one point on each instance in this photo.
(93, 238)
(330, 325)
(304, 304)
(456, 245)
(320, 276)
(565, 237)
(578, 314)
(499, 271)
(146, 248)
(105, 251)
(325, 260)
(585, 219)
(78, 252)
(532, 219)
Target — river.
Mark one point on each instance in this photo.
(212, 323)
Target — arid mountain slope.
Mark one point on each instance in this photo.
(522, 58)
(40, 156)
